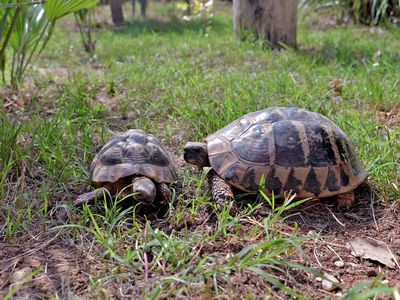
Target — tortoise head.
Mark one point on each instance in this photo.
(197, 154)
(144, 189)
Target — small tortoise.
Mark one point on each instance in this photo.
(294, 149)
(133, 158)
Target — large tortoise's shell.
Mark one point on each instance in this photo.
(133, 152)
(292, 148)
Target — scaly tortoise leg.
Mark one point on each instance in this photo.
(90, 196)
(346, 200)
(164, 193)
(221, 191)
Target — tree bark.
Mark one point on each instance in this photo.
(274, 21)
(116, 12)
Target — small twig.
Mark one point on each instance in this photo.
(373, 210)
(174, 278)
(33, 250)
(162, 267)
(316, 257)
(146, 267)
(330, 248)
(394, 258)
(336, 218)
(336, 245)
(12, 271)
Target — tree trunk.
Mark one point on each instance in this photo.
(116, 12)
(275, 21)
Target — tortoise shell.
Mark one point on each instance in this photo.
(133, 152)
(292, 148)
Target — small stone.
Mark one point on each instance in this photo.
(24, 274)
(328, 283)
(339, 263)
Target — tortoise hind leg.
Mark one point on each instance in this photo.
(346, 200)
(164, 193)
(90, 196)
(221, 191)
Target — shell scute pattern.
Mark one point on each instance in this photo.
(293, 149)
(320, 147)
(257, 140)
(234, 129)
(267, 116)
(288, 144)
(292, 182)
(312, 184)
(249, 179)
(132, 153)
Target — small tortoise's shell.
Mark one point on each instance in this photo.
(133, 152)
(294, 149)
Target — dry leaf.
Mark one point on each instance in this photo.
(336, 85)
(393, 112)
(365, 249)
(390, 118)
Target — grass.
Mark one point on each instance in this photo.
(183, 81)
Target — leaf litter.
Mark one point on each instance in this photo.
(371, 250)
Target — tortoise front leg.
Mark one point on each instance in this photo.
(346, 200)
(164, 193)
(90, 196)
(221, 190)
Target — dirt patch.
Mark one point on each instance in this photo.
(389, 118)
(331, 229)
(39, 269)
(56, 266)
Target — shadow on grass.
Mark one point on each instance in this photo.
(172, 25)
(324, 215)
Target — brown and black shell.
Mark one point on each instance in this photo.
(294, 149)
(133, 152)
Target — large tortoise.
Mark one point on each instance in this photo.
(293, 149)
(132, 162)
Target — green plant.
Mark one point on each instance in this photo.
(10, 151)
(370, 290)
(84, 23)
(29, 26)
(369, 12)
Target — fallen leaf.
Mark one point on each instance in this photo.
(336, 85)
(365, 249)
(393, 112)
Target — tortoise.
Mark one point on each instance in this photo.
(132, 162)
(293, 149)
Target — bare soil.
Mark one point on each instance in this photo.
(62, 266)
